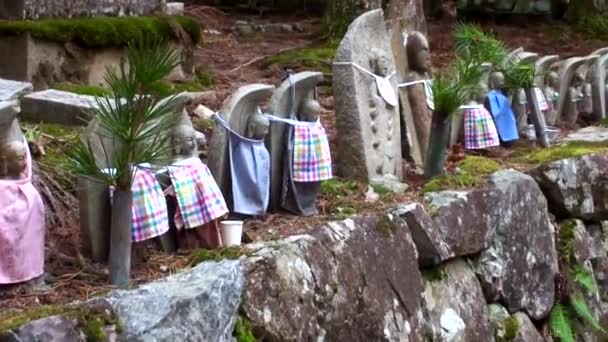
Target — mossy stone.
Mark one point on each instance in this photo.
(472, 172)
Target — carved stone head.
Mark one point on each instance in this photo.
(13, 156)
(418, 52)
(578, 79)
(183, 141)
(552, 79)
(257, 126)
(497, 80)
(481, 93)
(379, 62)
(310, 109)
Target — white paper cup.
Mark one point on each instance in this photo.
(231, 232)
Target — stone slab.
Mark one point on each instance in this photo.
(588, 134)
(58, 107)
(175, 8)
(13, 90)
(35, 9)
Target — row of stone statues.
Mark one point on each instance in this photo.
(375, 133)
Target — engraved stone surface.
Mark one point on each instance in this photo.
(369, 134)
(34, 9)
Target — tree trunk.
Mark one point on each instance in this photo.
(120, 238)
(440, 138)
(540, 127)
(409, 14)
(433, 8)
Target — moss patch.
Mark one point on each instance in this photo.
(243, 330)
(101, 31)
(511, 329)
(573, 149)
(472, 172)
(203, 255)
(82, 89)
(317, 58)
(385, 225)
(92, 321)
(434, 275)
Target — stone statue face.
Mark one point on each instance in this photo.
(578, 79)
(481, 93)
(184, 141)
(552, 80)
(257, 126)
(380, 62)
(14, 157)
(497, 80)
(418, 52)
(310, 110)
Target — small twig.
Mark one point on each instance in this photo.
(261, 58)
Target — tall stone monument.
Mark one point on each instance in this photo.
(367, 110)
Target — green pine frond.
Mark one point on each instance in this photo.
(560, 324)
(585, 279)
(579, 305)
(472, 42)
(519, 76)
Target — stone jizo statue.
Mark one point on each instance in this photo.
(551, 92)
(497, 80)
(184, 139)
(13, 156)
(573, 98)
(258, 126)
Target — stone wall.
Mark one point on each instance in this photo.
(36, 9)
(473, 265)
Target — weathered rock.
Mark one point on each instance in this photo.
(196, 305)
(588, 134)
(520, 266)
(467, 220)
(34, 9)
(50, 329)
(354, 280)
(13, 90)
(600, 270)
(512, 328)
(576, 187)
(432, 249)
(454, 306)
(526, 331)
(60, 107)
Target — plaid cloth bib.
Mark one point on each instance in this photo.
(311, 155)
(199, 198)
(150, 216)
(479, 129)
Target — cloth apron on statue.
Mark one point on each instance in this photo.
(503, 116)
(22, 229)
(479, 128)
(249, 172)
(301, 197)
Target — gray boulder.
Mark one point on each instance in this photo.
(576, 187)
(454, 306)
(466, 220)
(519, 267)
(49, 329)
(200, 304)
(353, 280)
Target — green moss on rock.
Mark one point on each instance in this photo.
(318, 58)
(82, 89)
(100, 32)
(243, 330)
(203, 255)
(434, 274)
(385, 225)
(511, 329)
(92, 321)
(472, 172)
(569, 150)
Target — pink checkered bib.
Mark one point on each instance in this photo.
(199, 198)
(311, 153)
(479, 128)
(150, 215)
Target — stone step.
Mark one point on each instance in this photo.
(58, 107)
(13, 90)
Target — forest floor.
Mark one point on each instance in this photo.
(261, 57)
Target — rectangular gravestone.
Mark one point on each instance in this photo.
(58, 107)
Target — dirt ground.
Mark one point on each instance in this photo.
(234, 60)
